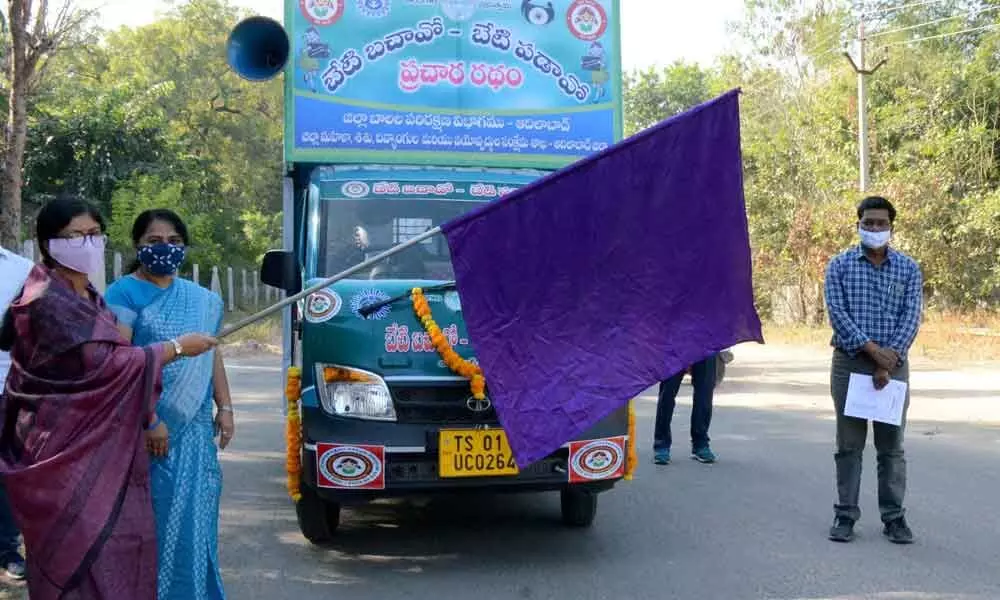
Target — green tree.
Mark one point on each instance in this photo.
(157, 106)
(33, 32)
(227, 131)
(147, 192)
(656, 94)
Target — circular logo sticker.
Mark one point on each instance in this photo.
(452, 301)
(367, 297)
(587, 20)
(322, 12)
(597, 460)
(375, 9)
(349, 466)
(458, 10)
(355, 189)
(323, 306)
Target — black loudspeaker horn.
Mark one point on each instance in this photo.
(258, 48)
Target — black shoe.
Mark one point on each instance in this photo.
(842, 530)
(898, 531)
(13, 564)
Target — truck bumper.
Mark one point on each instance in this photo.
(417, 474)
(406, 463)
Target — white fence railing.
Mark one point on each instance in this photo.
(239, 288)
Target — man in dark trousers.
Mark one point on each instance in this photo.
(703, 382)
(874, 298)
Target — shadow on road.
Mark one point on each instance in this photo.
(737, 385)
(751, 526)
(483, 526)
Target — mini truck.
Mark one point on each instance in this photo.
(398, 118)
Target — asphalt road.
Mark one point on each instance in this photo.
(751, 526)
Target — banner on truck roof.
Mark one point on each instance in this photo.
(527, 83)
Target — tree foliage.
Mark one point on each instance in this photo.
(153, 116)
(934, 117)
(33, 32)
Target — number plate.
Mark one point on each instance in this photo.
(474, 453)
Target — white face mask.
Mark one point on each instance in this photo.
(874, 239)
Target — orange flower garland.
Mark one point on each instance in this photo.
(451, 358)
(633, 458)
(293, 433)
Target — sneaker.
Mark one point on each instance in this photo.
(703, 455)
(898, 531)
(661, 457)
(13, 563)
(842, 530)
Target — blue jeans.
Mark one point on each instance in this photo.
(9, 534)
(703, 381)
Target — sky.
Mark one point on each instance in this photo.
(654, 32)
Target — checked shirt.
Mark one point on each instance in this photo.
(881, 304)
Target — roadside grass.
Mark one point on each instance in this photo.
(944, 337)
(262, 336)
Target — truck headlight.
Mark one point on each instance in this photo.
(353, 393)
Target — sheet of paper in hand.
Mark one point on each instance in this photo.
(865, 402)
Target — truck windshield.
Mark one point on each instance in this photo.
(352, 231)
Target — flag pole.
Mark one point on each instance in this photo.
(328, 281)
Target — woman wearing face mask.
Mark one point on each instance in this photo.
(77, 400)
(153, 304)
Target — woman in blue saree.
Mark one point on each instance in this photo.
(153, 304)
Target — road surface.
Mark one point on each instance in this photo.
(751, 526)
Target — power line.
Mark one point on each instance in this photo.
(776, 74)
(934, 22)
(941, 35)
(892, 9)
(776, 77)
(836, 36)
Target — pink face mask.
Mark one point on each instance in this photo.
(83, 255)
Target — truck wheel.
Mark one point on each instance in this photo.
(318, 519)
(579, 507)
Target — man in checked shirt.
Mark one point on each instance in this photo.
(874, 300)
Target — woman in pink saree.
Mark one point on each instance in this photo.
(77, 402)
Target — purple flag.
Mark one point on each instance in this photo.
(588, 286)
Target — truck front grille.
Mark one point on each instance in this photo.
(438, 405)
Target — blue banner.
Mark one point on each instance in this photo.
(527, 83)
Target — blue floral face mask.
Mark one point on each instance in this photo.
(161, 259)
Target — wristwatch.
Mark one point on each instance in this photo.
(178, 349)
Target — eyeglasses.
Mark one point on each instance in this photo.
(76, 240)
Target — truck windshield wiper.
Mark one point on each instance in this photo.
(368, 309)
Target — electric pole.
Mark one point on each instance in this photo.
(863, 74)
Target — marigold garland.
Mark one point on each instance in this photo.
(633, 458)
(293, 433)
(456, 363)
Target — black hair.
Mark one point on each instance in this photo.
(877, 203)
(147, 218)
(56, 215)
(51, 219)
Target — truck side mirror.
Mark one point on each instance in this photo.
(279, 270)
